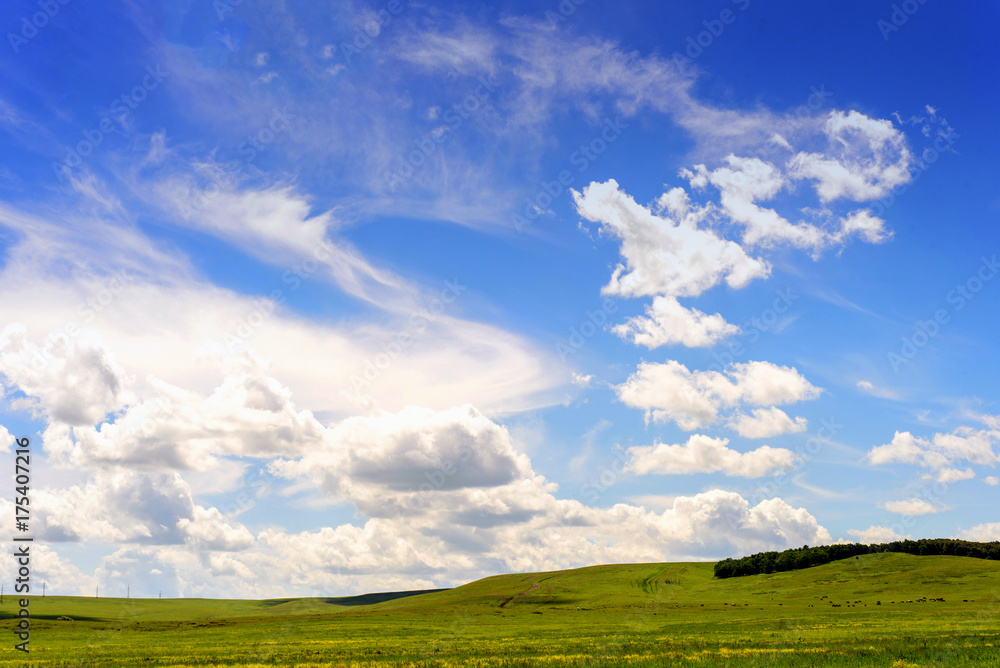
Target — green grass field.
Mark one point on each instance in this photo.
(622, 615)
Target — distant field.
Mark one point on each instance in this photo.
(622, 615)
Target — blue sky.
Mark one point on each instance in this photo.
(327, 298)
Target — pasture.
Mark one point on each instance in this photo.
(877, 610)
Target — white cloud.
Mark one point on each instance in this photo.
(663, 257)
(61, 577)
(118, 506)
(581, 379)
(746, 181)
(992, 480)
(871, 228)
(249, 414)
(197, 329)
(741, 185)
(70, 380)
(866, 159)
(668, 323)
(670, 392)
(984, 533)
(703, 454)
(388, 463)
(876, 534)
(447, 496)
(465, 49)
(911, 506)
(881, 392)
(207, 529)
(942, 452)
(766, 422)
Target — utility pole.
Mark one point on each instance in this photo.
(43, 590)
(1, 593)
(128, 591)
(97, 594)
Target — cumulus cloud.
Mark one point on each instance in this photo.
(982, 532)
(869, 227)
(744, 182)
(662, 256)
(71, 379)
(387, 463)
(670, 392)
(911, 506)
(118, 506)
(249, 414)
(668, 323)
(943, 453)
(448, 499)
(583, 380)
(704, 454)
(61, 577)
(865, 159)
(992, 480)
(766, 422)
(876, 534)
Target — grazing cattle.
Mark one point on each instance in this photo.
(878, 602)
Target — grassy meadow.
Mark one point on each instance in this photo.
(618, 615)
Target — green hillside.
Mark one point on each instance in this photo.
(877, 610)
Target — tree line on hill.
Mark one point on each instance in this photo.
(805, 556)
